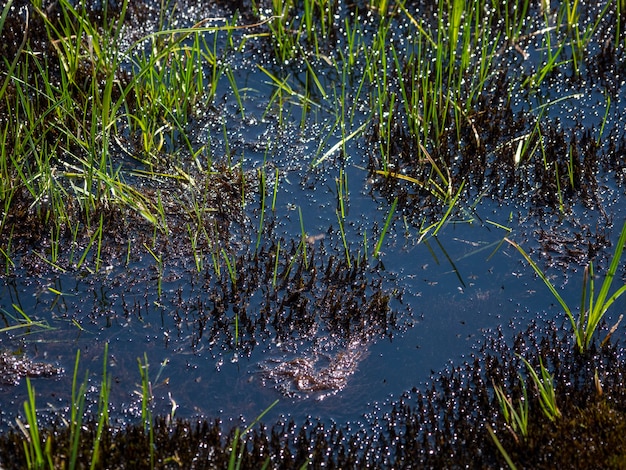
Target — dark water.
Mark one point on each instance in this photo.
(456, 287)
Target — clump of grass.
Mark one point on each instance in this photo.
(592, 307)
(448, 66)
(294, 24)
(67, 110)
(545, 388)
(40, 456)
(177, 71)
(36, 457)
(516, 417)
(514, 16)
(11, 68)
(425, 88)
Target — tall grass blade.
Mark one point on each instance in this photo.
(552, 289)
(77, 408)
(379, 244)
(103, 409)
(502, 450)
(146, 399)
(599, 306)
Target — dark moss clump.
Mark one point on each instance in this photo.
(444, 426)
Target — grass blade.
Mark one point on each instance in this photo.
(552, 289)
(385, 228)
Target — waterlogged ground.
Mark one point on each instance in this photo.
(338, 289)
(452, 288)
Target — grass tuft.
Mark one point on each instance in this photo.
(592, 307)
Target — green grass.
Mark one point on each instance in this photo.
(33, 451)
(432, 85)
(381, 238)
(545, 388)
(516, 416)
(21, 322)
(501, 448)
(103, 410)
(237, 448)
(83, 450)
(67, 110)
(77, 410)
(39, 454)
(593, 306)
(446, 60)
(146, 400)
(13, 64)
(83, 141)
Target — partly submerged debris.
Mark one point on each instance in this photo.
(316, 374)
(14, 367)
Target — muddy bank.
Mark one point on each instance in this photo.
(443, 424)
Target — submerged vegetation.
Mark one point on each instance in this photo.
(129, 132)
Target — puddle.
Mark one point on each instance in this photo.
(307, 268)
